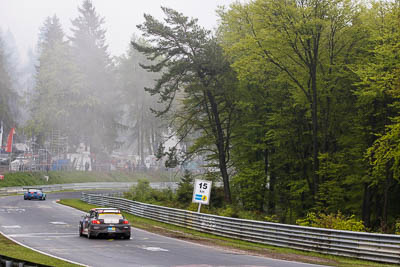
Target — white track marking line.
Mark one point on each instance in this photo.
(9, 210)
(43, 235)
(154, 249)
(11, 226)
(58, 223)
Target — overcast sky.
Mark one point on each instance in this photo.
(24, 17)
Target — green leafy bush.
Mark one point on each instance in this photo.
(184, 192)
(141, 192)
(273, 218)
(228, 211)
(397, 227)
(332, 221)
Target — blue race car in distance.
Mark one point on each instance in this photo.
(34, 193)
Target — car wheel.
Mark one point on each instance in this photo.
(90, 236)
(126, 237)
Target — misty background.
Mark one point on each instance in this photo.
(72, 81)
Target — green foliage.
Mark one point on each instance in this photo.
(184, 193)
(397, 227)
(37, 178)
(196, 86)
(228, 211)
(384, 155)
(141, 192)
(272, 218)
(332, 221)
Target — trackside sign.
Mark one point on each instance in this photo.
(201, 192)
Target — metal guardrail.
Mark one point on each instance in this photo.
(9, 262)
(85, 186)
(367, 246)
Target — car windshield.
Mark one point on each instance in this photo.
(112, 216)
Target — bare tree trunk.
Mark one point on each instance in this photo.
(220, 143)
(388, 184)
(314, 115)
(366, 208)
(271, 180)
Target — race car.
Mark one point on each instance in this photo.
(34, 193)
(104, 222)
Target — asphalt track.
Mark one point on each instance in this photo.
(53, 229)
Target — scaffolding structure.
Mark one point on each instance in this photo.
(57, 144)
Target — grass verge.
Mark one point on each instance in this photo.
(10, 249)
(232, 244)
(65, 177)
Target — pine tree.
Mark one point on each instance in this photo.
(197, 84)
(8, 96)
(56, 94)
(144, 130)
(97, 115)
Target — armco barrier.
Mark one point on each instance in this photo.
(9, 262)
(367, 246)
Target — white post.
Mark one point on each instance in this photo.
(198, 210)
(9, 162)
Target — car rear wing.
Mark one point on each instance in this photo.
(37, 188)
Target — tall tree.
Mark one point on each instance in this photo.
(378, 96)
(97, 116)
(143, 129)
(7, 94)
(194, 70)
(56, 92)
(303, 41)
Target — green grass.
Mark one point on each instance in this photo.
(65, 177)
(253, 248)
(10, 249)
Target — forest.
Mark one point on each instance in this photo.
(293, 105)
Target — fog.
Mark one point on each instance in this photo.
(71, 82)
(23, 18)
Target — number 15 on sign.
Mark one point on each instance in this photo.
(201, 192)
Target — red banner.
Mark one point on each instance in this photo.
(10, 140)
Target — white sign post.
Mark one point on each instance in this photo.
(201, 192)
